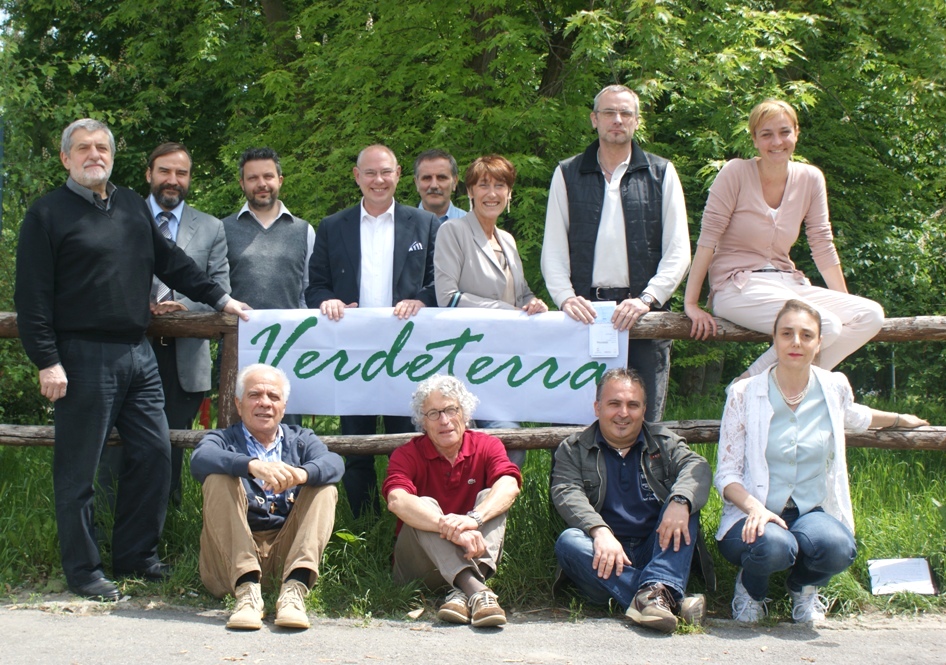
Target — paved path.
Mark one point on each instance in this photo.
(82, 633)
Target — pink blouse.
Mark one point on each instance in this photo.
(747, 235)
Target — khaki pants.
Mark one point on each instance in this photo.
(229, 550)
(425, 556)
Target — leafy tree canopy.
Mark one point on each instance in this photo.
(319, 80)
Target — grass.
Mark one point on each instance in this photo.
(894, 495)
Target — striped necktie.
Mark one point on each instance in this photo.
(161, 291)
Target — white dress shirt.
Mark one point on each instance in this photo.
(377, 259)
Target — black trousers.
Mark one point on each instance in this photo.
(110, 385)
(180, 408)
(360, 480)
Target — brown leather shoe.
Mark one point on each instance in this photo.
(653, 607)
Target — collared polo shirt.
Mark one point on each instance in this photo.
(418, 468)
(630, 507)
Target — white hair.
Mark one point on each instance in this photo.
(448, 386)
(258, 367)
(89, 125)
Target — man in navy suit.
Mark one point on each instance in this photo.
(398, 242)
(183, 363)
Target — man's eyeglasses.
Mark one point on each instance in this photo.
(611, 114)
(434, 414)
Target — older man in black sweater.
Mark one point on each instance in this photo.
(84, 269)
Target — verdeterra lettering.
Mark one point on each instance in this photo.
(441, 354)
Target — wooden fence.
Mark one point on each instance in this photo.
(658, 325)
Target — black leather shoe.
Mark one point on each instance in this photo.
(156, 571)
(98, 589)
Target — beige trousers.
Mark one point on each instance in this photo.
(847, 321)
(229, 549)
(425, 556)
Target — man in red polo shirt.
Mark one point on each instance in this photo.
(450, 489)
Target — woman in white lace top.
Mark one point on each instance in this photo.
(782, 472)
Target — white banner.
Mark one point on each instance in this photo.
(526, 368)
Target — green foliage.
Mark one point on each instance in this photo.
(319, 80)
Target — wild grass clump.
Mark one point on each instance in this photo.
(893, 494)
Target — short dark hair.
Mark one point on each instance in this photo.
(437, 153)
(167, 149)
(259, 154)
(621, 374)
(496, 167)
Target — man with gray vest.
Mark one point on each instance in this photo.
(616, 230)
(267, 246)
(264, 235)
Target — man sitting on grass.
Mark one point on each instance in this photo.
(630, 493)
(450, 489)
(269, 503)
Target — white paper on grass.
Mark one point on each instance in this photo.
(892, 575)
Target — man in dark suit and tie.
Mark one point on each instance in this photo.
(184, 363)
(398, 242)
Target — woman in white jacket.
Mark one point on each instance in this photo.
(782, 471)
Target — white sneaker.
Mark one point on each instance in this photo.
(745, 608)
(807, 605)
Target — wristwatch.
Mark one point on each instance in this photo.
(476, 516)
(648, 300)
(676, 498)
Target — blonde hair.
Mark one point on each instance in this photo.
(768, 109)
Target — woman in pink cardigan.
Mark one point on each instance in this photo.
(751, 220)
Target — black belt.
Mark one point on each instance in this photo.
(162, 341)
(770, 270)
(605, 293)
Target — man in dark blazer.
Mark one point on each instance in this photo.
(184, 363)
(399, 241)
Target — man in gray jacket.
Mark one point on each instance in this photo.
(630, 493)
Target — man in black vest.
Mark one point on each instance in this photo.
(616, 230)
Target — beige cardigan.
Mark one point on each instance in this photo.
(736, 222)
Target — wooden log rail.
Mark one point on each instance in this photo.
(694, 431)
(657, 325)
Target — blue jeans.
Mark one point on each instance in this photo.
(815, 547)
(575, 552)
